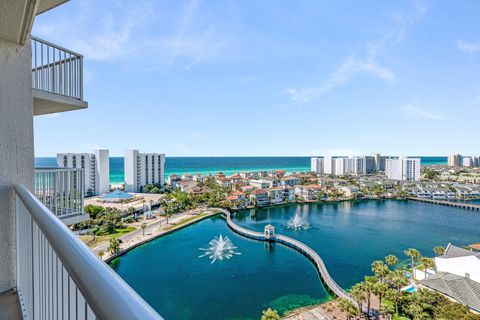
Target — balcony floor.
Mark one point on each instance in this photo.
(10, 306)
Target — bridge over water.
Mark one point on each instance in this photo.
(295, 244)
(468, 206)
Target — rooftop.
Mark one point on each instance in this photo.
(464, 290)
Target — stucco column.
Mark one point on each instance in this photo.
(16, 147)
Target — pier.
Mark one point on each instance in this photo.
(295, 244)
(467, 206)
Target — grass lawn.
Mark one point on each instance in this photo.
(185, 221)
(92, 241)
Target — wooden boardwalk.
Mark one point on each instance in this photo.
(467, 206)
(295, 244)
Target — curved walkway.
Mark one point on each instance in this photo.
(295, 244)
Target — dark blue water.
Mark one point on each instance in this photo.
(169, 274)
(349, 236)
(228, 165)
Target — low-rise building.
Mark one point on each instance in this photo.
(307, 193)
(259, 197)
(349, 190)
(261, 183)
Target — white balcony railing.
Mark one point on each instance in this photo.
(56, 70)
(61, 190)
(58, 277)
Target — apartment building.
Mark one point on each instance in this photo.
(46, 272)
(454, 160)
(404, 169)
(317, 165)
(143, 168)
(96, 166)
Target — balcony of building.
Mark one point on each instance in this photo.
(57, 78)
(58, 277)
(62, 191)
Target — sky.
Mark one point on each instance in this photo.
(256, 78)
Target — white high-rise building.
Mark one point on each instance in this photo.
(143, 168)
(468, 162)
(96, 167)
(316, 165)
(454, 160)
(405, 169)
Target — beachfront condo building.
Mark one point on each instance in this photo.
(46, 272)
(316, 165)
(96, 166)
(455, 160)
(143, 168)
(404, 169)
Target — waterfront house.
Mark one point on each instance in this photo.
(457, 276)
(260, 184)
(275, 195)
(290, 180)
(307, 193)
(223, 181)
(46, 272)
(459, 261)
(238, 200)
(349, 190)
(259, 197)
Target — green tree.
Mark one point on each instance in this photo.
(414, 254)
(380, 290)
(427, 264)
(380, 269)
(397, 280)
(439, 250)
(114, 245)
(347, 307)
(270, 314)
(369, 287)
(357, 292)
(391, 260)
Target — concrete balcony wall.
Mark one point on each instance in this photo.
(16, 146)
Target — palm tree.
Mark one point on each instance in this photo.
(427, 263)
(380, 269)
(439, 250)
(347, 307)
(391, 260)
(397, 280)
(414, 254)
(380, 289)
(358, 294)
(369, 285)
(270, 314)
(114, 245)
(144, 226)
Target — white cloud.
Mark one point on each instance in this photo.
(412, 110)
(468, 47)
(352, 66)
(136, 33)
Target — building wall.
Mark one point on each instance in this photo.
(102, 172)
(130, 170)
(96, 167)
(16, 146)
(460, 266)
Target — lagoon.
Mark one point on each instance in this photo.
(168, 273)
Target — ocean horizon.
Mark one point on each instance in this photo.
(227, 165)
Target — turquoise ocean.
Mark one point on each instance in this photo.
(227, 165)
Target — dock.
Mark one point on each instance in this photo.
(295, 244)
(467, 206)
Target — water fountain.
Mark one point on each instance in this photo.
(219, 248)
(297, 223)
